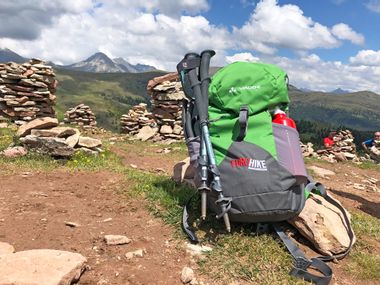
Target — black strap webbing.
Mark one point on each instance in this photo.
(243, 122)
(185, 224)
(301, 263)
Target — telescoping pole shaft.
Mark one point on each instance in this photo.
(205, 81)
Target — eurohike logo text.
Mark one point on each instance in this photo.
(252, 164)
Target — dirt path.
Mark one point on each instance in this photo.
(35, 206)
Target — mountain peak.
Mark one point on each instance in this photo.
(7, 55)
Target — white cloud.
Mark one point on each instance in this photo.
(344, 32)
(366, 57)
(245, 56)
(273, 25)
(373, 5)
(156, 33)
(328, 75)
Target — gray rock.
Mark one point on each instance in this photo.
(116, 239)
(41, 267)
(46, 145)
(89, 142)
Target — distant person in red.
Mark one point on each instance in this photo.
(328, 142)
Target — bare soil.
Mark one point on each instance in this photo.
(34, 207)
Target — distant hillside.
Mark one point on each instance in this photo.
(358, 110)
(108, 94)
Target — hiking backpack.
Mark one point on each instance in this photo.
(250, 169)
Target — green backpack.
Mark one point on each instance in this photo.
(250, 168)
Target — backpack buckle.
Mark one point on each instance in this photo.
(301, 262)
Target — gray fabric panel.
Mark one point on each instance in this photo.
(262, 194)
(193, 148)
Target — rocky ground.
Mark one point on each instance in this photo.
(74, 211)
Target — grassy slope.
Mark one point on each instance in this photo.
(109, 95)
(359, 110)
(112, 94)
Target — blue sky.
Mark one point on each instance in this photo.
(322, 45)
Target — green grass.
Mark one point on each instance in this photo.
(108, 95)
(365, 225)
(6, 138)
(364, 260)
(239, 255)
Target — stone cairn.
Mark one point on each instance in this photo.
(27, 91)
(344, 149)
(164, 123)
(137, 118)
(80, 115)
(43, 135)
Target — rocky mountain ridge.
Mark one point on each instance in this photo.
(98, 63)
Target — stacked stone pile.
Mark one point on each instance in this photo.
(164, 123)
(167, 97)
(27, 91)
(43, 135)
(343, 149)
(308, 150)
(80, 115)
(137, 118)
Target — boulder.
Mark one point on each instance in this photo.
(41, 267)
(323, 225)
(89, 142)
(46, 145)
(41, 123)
(146, 133)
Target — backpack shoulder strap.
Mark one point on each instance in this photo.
(302, 264)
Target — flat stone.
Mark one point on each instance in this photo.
(73, 140)
(59, 132)
(6, 248)
(3, 125)
(146, 133)
(321, 172)
(41, 267)
(40, 123)
(89, 142)
(165, 129)
(116, 239)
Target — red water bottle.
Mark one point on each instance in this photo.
(280, 117)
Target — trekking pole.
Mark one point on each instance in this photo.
(189, 78)
(203, 116)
